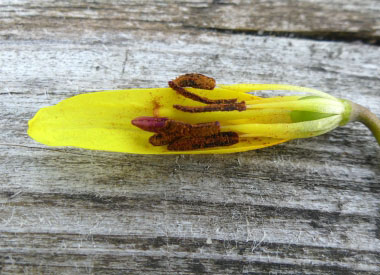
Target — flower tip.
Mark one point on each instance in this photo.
(150, 124)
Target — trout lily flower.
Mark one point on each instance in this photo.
(201, 119)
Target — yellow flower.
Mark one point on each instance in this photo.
(103, 120)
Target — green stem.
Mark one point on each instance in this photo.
(365, 116)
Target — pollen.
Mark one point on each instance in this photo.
(173, 130)
(240, 106)
(194, 143)
(181, 136)
(198, 98)
(206, 83)
(199, 81)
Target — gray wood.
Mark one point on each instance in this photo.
(307, 206)
(333, 19)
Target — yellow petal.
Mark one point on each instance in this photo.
(244, 88)
(320, 105)
(273, 99)
(102, 121)
(287, 130)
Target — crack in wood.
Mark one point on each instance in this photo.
(365, 37)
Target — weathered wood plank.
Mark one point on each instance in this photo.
(191, 256)
(336, 19)
(308, 206)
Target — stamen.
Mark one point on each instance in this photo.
(162, 139)
(193, 143)
(196, 81)
(180, 136)
(196, 97)
(240, 106)
(173, 127)
(173, 130)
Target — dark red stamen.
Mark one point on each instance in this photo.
(173, 130)
(173, 127)
(180, 136)
(240, 106)
(194, 143)
(162, 139)
(196, 81)
(198, 98)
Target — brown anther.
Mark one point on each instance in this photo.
(205, 129)
(173, 127)
(180, 136)
(240, 106)
(173, 130)
(194, 143)
(196, 97)
(162, 139)
(199, 81)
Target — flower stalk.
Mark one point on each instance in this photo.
(365, 116)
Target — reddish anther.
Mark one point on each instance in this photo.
(162, 139)
(196, 81)
(240, 106)
(178, 128)
(181, 136)
(150, 124)
(196, 97)
(194, 143)
(175, 129)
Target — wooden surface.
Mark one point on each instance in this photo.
(308, 206)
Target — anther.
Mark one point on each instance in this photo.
(240, 106)
(199, 81)
(162, 139)
(194, 143)
(196, 97)
(173, 127)
(173, 130)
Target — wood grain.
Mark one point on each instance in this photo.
(322, 19)
(307, 206)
